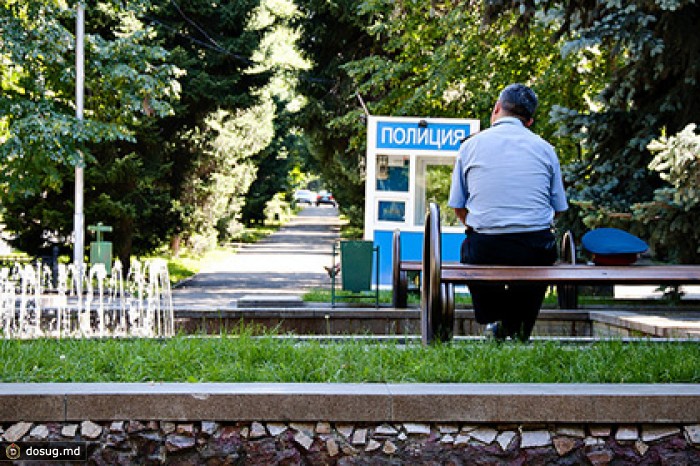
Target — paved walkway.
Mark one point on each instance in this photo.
(288, 262)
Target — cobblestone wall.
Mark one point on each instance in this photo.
(270, 443)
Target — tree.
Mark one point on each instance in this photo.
(210, 42)
(668, 221)
(278, 55)
(240, 61)
(334, 35)
(128, 82)
(440, 60)
(672, 216)
(214, 193)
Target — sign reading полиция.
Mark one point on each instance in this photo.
(417, 136)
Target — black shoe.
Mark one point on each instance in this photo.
(495, 331)
(522, 333)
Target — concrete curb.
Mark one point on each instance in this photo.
(316, 320)
(488, 403)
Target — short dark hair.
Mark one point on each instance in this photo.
(519, 100)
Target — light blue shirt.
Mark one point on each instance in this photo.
(508, 179)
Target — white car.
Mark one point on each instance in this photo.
(304, 196)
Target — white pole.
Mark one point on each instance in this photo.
(78, 218)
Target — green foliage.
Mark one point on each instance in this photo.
(652, 84)
(278, 209)
(254, 234)
(428, 59)
(181, 268)
(224, 172)
(677, 160)
(670, 220)
(278, 55)
(336, 36)
(130, 195)
(42, 133)
(608, 77)
(187, 174)
(437, 185)
(229, 137)
(127, 82)
(275, 166)
(209, 148)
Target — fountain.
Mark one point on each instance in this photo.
(90, 304)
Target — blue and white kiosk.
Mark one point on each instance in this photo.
(409, 164)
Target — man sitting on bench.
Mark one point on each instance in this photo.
(506, 189)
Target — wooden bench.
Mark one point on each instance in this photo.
(438, 280)
(567, 294)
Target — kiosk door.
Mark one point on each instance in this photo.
(434, 177)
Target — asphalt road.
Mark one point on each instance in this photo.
(288, 262)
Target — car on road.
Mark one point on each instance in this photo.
(325, 197)
(305, 196)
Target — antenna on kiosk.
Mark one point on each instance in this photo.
(362, 102)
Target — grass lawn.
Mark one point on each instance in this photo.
(244, 357)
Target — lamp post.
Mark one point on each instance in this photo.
(78, 217)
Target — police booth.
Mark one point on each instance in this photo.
(409, 165)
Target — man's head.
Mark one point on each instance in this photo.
(516, 100)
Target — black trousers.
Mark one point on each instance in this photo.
(516, 306)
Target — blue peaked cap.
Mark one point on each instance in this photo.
(612, 241)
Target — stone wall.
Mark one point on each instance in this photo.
(269, 443)
(592, 322)
(343, 424)
(362, 321)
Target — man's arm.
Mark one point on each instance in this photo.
(458, 190)
(461, 213)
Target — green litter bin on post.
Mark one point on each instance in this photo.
(357, 258)
(101, 251)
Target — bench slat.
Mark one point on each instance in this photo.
(573, 274)
(455, 272)
(411, 266)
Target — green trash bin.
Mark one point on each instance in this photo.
(101, 251)
(357, 259)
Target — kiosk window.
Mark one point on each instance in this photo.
(392, 211)
(392, 173)
(434, 186)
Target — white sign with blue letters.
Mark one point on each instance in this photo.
(412, 136)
